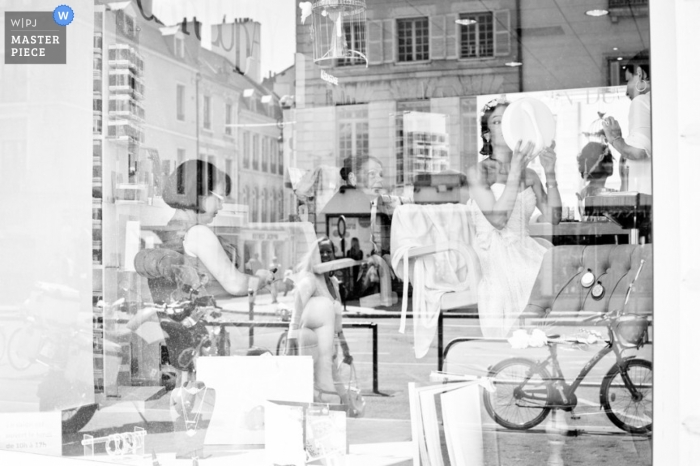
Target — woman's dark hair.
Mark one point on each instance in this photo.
(358, 162)
(346, 169)
(489, 108)
(191, 181)
(588, 164)
(640, 60)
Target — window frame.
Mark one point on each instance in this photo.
(397, 45)
(462, 28)
(354, 60)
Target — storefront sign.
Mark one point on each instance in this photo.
(264, 236)
(329, 78)
(31, 432)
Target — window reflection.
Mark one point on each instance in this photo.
(384, 158)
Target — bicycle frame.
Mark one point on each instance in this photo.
(567, 391)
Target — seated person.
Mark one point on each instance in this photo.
(595, 163)
(504, 194)
(318, 313)
(196, 190)
(368, 175)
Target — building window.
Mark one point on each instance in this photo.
(206, 112)
(403, 108)
(255, 203)
(265, 210)
(126, 25)
(246, 150)
(179, 46)
(180, 156)
(280, 159)
(180, 97)
(414, 36)
(265, 154)
(353, 132)
(97, 124)
(280, 205)
(356, 40)
(476, 40)
(273, 156)
(228, 130)
(256, 152)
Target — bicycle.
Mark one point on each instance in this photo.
(525, 391)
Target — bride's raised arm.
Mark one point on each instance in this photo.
(498, 211)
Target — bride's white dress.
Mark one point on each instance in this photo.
(510, 260)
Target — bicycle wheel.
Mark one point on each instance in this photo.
(23, 348)
(628, 412)
(282, 346)
(522, 394)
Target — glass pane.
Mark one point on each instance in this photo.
(248, 201)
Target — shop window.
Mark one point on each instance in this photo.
(413, 39)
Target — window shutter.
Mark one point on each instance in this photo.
(451, 49)
(501, 36)
(374, 42)
(388, 45)
(437, 37)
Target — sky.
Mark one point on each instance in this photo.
(278, 23)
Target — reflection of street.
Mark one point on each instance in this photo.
(592, 435)
(386, 424)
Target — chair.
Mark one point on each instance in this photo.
(431, 248)
(435, 240)
(558, 297)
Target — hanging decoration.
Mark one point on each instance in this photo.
(338, 29)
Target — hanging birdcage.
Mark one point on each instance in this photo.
(595, 131)
(338, 29)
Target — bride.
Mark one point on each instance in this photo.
(503, 196)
